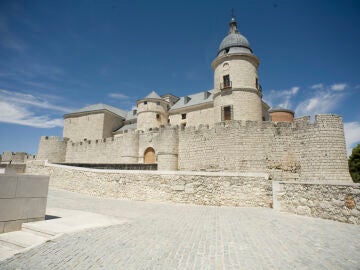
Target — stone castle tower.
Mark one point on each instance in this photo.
(237, 93)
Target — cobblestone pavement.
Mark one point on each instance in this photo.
(174, 236)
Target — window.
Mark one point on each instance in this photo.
(183, 116)
(168, 121)
(158, 103)
(226, 113)
(257, 83)
(157, 116)
(183, 126)
(226, 82)
(145, 102)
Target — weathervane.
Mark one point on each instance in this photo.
(232, 13)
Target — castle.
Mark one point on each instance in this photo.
(228, 128)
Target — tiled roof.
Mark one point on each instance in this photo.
(99, 107)
(194, 99)
(153, 94)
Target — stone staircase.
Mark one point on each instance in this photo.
(63, 222)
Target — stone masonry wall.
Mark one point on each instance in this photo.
(301, 150)
(336, 201)
(204, 188)
(121, 149)
(51, 148)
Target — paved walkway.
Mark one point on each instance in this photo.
(173, 236)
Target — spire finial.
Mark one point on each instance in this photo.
(233, 26)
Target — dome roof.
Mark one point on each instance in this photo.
(234, 42)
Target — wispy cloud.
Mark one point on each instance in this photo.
(324, 99)
(29, 110)
(282, 98)
(352, 135)
(338, 86)
(19, 98)
(15, 114)
(319, 86)
(118, 96)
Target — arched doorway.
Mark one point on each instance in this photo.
(149, 156)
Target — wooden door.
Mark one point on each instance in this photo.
(149, 156)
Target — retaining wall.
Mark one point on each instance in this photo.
(206, 188)
(336, 201)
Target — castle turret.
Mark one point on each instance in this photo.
(152, 112)
(237, 93)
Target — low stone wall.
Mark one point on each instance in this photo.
(22, 199)
(206, 188)
(19, 168)
(339, 202)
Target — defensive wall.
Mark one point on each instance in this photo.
(331, 200)
(15, 157)
(300, 151)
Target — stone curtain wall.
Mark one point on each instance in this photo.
(288, 151)
(302, 150)
(232, 189)
(339, 202)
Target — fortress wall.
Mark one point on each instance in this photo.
(51, 148)
(121, 149)
(17, 157)
(300, 151)
(205, 188)
(229, 146)
(323, 150)
(336, 201)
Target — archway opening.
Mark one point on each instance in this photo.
(149, 156)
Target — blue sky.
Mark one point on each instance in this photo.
(57, 56)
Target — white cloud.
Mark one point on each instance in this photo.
(15, 114)
(321, 102)
(338, 86)
(20, 108)
(13, 97)
(118, 96)
(319, 86)
(282, 98)
(352, 135)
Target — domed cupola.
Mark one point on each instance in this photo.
(234, 42)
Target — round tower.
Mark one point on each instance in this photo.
(237, 93)
(152, 112)
(280, 114)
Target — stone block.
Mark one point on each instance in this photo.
(33, 208)
(32, 186)
(178, 187)
(7, 186)
(13, 225)
(10, 209)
